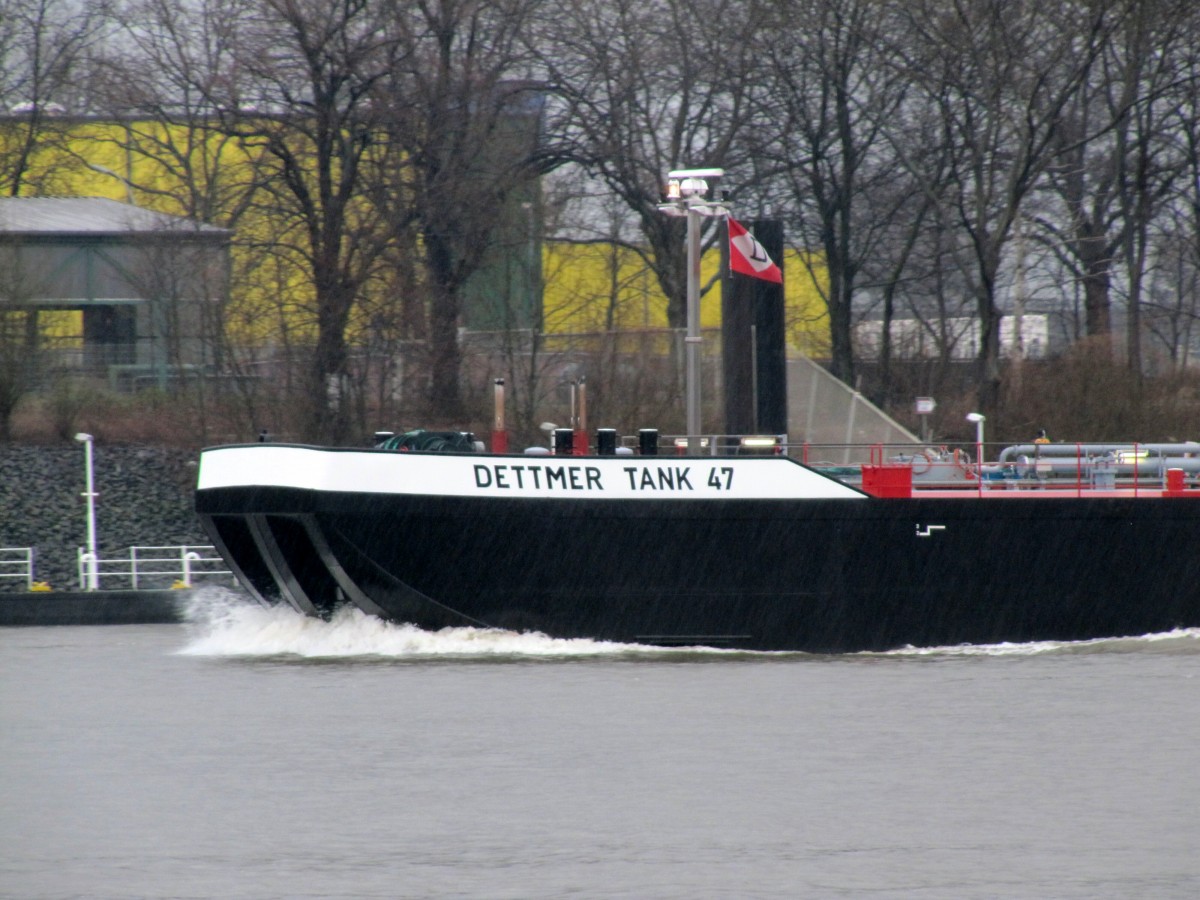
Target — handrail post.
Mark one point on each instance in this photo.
(189, 557)
(89, 576)
(1079, 469)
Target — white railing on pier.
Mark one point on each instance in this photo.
(149, 568)
(16, 564)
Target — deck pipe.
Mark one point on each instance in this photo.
(1184, 449)
(1070, 459)
(499, 431)
(581, 435)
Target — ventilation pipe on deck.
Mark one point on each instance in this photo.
(499, 432)
(581, 435)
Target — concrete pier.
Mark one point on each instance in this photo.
(93, 607)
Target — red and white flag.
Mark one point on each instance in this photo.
(747, 256)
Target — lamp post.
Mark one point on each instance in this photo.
(686, 192)
(978, 419)
(90, 494)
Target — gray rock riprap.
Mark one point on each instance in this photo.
(145, 499)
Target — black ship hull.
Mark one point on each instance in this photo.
(829, 574)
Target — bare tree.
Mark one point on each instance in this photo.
(1113, 149)
(162, 82)
(830, 97)
(159, 85)
(1176, 295)
(1172, 293)
(458, 105)
(306, 106)
(19, 337)
(650, 87)
(1002, 74)
(45, 46)
(1161, 33)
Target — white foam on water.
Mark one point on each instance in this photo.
(1178, 639)
(224, 623)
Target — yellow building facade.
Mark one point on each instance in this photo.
(598, 287)
(586, 288)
